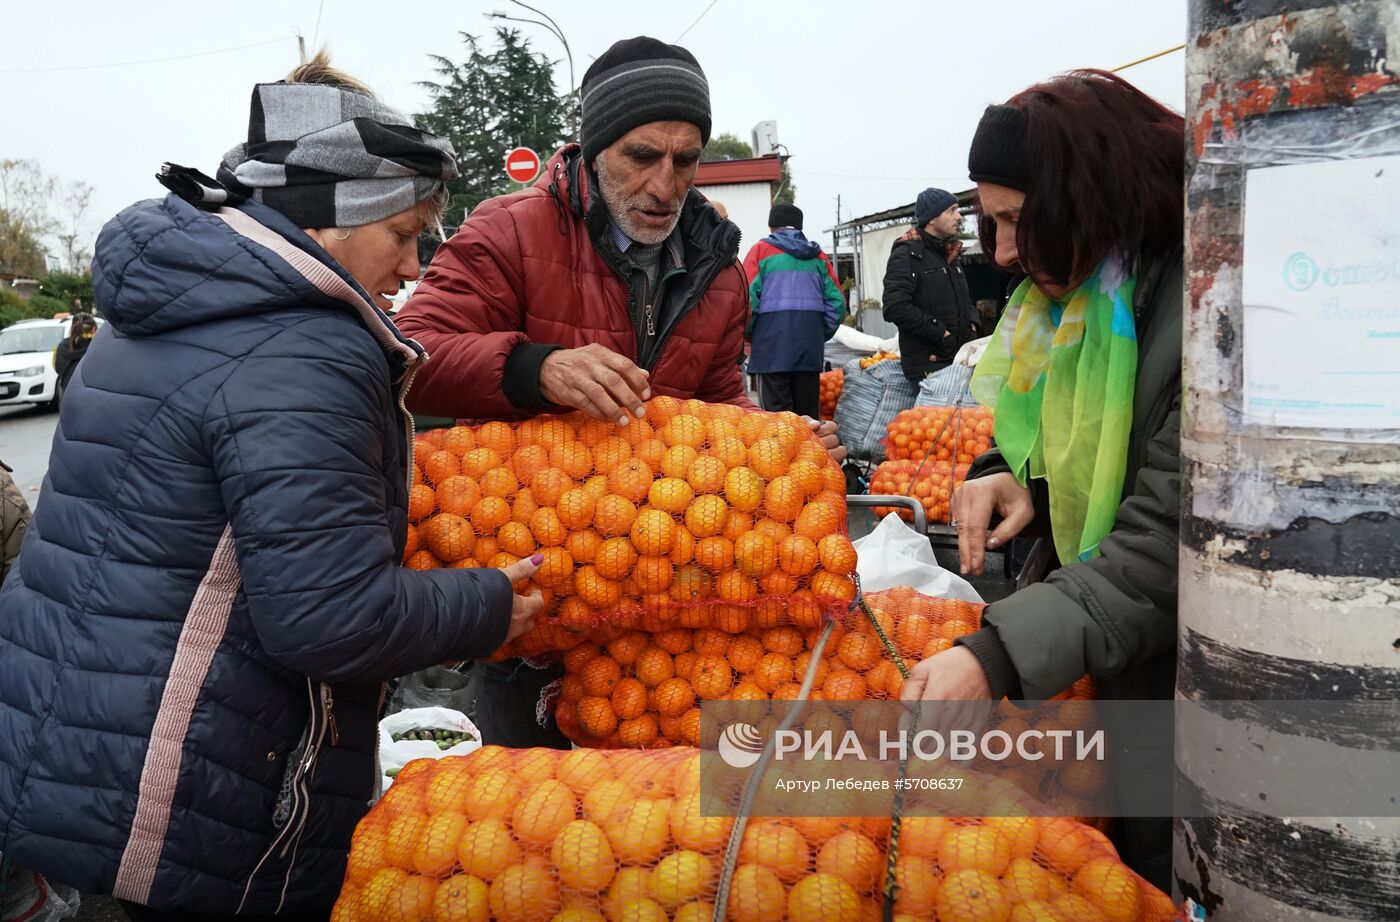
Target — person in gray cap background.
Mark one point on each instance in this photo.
(925, 290)
(609, 281)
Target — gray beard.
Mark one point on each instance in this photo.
(619, 206)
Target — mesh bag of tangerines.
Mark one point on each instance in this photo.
(698, 515)
(591, 835)
(929, 450)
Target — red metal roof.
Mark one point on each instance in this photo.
(752, 169)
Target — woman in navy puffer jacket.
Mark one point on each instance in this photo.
(192, 641)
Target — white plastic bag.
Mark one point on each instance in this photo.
(893, 554)
(395, 754)
(971, 353)
(26, 895)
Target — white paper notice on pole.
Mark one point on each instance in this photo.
(1321, 291)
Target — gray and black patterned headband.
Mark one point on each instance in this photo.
(325, 156)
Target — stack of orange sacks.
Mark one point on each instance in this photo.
(830, 385)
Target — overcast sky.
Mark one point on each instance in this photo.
(874, 100)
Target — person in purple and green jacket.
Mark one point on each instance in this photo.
(797, 306)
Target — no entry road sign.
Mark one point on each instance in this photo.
(522, 164)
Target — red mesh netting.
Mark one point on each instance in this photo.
(830, 391)
(536, 835)
(699, 514)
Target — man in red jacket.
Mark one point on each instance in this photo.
(608, 281)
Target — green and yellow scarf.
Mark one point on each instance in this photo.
(1059, 377)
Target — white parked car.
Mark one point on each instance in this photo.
(26, 361)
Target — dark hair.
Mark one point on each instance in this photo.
(1105, 171)
(80, 324)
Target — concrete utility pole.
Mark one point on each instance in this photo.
(1290, 556)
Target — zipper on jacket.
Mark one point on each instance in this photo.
(702, 288)
(328, 702)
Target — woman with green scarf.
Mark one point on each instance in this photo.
(1080, 181)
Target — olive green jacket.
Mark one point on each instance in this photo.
(14, 519)
(1113, 617)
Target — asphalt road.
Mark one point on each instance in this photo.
(26, 434)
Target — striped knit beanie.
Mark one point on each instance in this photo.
(640, 80)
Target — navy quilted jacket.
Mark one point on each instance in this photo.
(192, 641)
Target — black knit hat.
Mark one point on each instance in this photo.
(783, 215)
(998, 153)
(640, 80)
(931, 203)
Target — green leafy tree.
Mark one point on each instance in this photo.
(786, 192)
(487, 103)
(726, 146)
(69, 288)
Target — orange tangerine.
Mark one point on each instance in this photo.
(776, 846)
(478, 461)
(610, 453)
(715, 554)
(707, 474)
(737, 524)
(1111, 887)
(629, 698)
(582, 857)
(797, 555)
(756, 895)
(705, 516)
(684, 430)
(639, 732)
(583, 545)
(768, 457)
(729, 451)
(831, 586)
(674, 697)
(782, 500)
(595, 589)
(823, 898)
(549, 484)
(575, 509)
(744, 652)
(734, 586)
(653, 531)
(458, 494)
(573, 458)
(516, 538)
(677, 461)
(670, 494)
(421, 502)
(440, 465)
(525, 892)
(690, 584)
(548, 530)
(448, 536)
(853, 858)
(817, 521)
(523, 506)
(613, 515)
(772, 671)
(654, 666)
(529, 461)
(978, 848)
(615, 558)
(653, 574)
(631, 480)
(489, 514)
(743, 489)
(596, 717)
(459, 440)
(497, 436)
(640, 831)
(755, 554)
(973, 895)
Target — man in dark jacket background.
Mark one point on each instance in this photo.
(797, 305)
(925, 289)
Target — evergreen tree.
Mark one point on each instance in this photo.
(485, 105)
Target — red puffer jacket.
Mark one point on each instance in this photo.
(527, 272)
